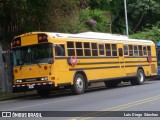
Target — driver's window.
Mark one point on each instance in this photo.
(59, 50)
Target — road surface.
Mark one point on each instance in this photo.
(126, 98)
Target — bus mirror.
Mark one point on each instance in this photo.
(50, 61)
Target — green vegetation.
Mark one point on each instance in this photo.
(149, 34)
(73, 16)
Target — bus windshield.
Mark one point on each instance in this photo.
(33, 54)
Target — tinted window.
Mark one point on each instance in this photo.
(125, 49)
(70, 47)
(130, 50)
(94, 49)
(135, 50)
(114, 50)
(79, 49)
(108, 49)
(144, 50)
(101, 49)
(87, 50)
(140, 50)
(149, 50)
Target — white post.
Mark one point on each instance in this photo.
(126, 19)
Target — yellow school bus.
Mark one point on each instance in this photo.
(46, 61)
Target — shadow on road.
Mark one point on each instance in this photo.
(67, 93)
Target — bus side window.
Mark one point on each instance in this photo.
(140, 50)
(125, 50)
(79, 49)
(70, 48)
(101, 49)
(144, 50)
(149, 50)
(135, 50)
(87, 50)
(59, 50)
(94, 49)
(130, 50)
(114, 50)
(108, 49)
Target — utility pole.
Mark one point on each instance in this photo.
(126, 19)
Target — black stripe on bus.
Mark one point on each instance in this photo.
(87, 63)
(136, 65)
(138, 61)
(86, 57)
(121, 62)
(138, 57)
(78, 69)
(90, 68)
(109, 79)
(91, 57)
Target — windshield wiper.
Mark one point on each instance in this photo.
(35, 61)
(24, 60)
(38, 64)
(20, 66)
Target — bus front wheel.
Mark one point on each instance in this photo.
(139, 79)
(78, 84)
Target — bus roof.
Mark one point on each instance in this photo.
(93, 36)
(99, 36)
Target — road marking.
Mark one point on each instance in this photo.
(40, 104)
(116, 108)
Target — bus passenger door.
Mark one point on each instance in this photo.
(121, 60)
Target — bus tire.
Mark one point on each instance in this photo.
(43, 92)
(111, 84)
(78, 84)
(139, 79)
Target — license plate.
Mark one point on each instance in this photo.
(31, 86)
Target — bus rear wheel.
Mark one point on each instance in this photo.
(78, 84)
(43, 92)
(111, 84)
(139, 79)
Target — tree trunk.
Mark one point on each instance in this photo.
(139, 22)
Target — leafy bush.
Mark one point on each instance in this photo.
(95, 20)
(150, 34)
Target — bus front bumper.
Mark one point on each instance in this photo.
(32, 86)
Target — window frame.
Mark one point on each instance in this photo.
(103, 49)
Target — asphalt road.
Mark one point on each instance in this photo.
(126, 98)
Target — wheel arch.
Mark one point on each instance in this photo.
(140, 67)
(84, 75)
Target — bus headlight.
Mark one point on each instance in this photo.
(18, 81)
(44, 78)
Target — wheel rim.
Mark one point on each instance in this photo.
(140, 77)
(79, 83)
